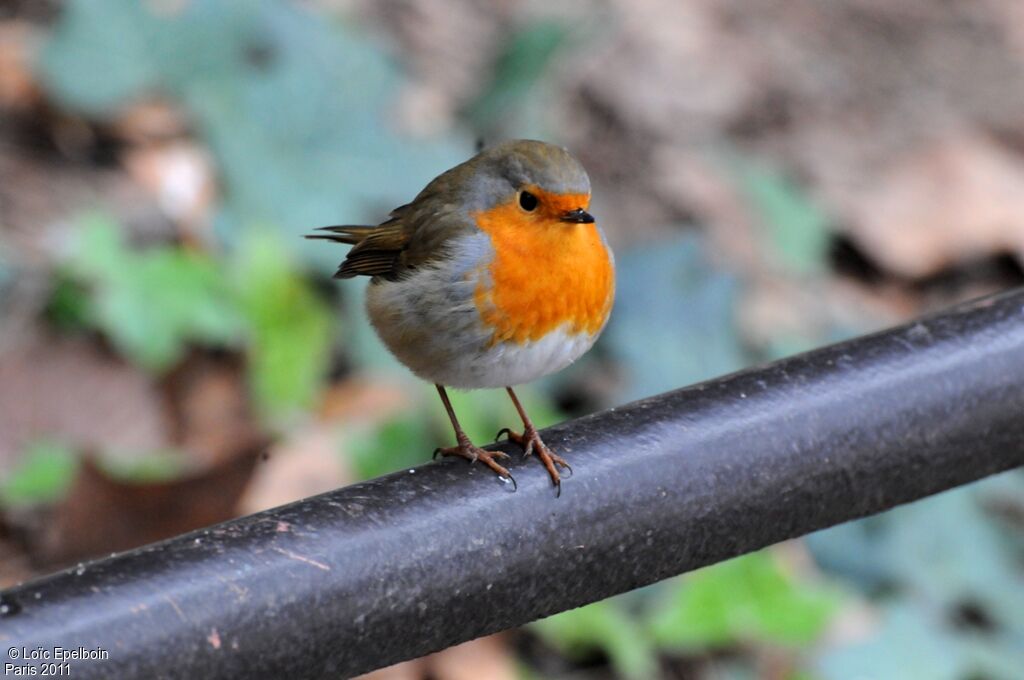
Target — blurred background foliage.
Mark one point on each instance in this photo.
(772, 176)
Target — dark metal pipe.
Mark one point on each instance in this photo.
(414, 562)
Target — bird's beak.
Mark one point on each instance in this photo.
(579, 216)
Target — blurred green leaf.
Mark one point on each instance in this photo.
(362, 345)
(747, 599)
(483, 412)
(7, 272)
(942, 550)
(947, 551)
(100, 54)
(931, 558)
(297, 109)
(69, 307)
(43, 475)
(408, 440)
(673, 319)
(289, 327)
(797, 227)
(801, 675)
(520, 66)
(396, 445)
(912, 642)
(154, 466)
(603, 626)
(151, 303)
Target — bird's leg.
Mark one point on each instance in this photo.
(531, 442)
(465, 447)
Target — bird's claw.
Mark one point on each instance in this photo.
(531, 442)
(474, 454)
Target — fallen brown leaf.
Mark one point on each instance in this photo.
(407, 670)
(19, 90)
(486, 658)
(958, 199)
(207, 405)
(101, 514)
(70, 389)
(307, 464)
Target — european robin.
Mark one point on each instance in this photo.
(493, 276)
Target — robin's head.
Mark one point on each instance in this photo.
(544, 183)
(550, 268)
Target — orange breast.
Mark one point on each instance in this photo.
(546, 273)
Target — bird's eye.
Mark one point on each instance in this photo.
(527, 201)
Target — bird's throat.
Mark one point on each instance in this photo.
(543, 277)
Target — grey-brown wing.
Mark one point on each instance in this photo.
(413, 235)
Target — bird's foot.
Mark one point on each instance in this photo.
(532, 443)
(466, 450)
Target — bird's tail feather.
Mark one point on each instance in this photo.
(375, 250)
(343, 233)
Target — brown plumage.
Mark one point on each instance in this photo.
(418, 232)
(375, 250)
(413, 235)
(494, 275)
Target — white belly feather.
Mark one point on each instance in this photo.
(429, 321)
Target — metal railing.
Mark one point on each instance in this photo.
(397, 567)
